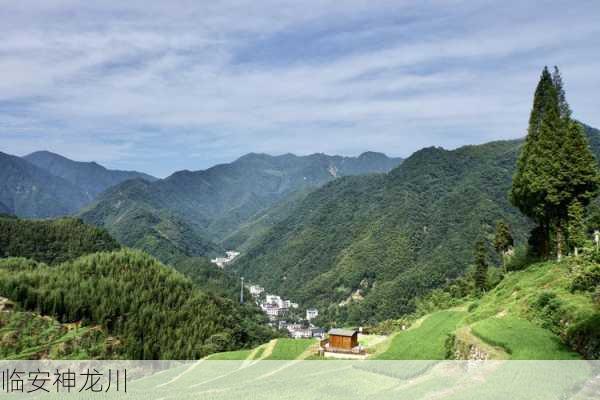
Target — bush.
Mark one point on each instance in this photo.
(584, 337)
(549, 311)
(587, 280)
(520, 260)
(473, 306)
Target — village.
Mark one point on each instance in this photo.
(285, 315)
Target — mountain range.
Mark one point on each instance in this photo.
(194, 213)
(44, 184)
(358, 237)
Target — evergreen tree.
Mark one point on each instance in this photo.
(565, 110)
(503, 241)
(555, 167)
(481, 267)
(576, 227)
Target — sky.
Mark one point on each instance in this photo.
(161, 86)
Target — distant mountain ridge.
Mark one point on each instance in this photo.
(29, 191)
(91, 177)
(215, 202)
(44, 184)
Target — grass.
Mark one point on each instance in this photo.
(522, 339)
(518, 291)
(231, 355)
(425, 342)
(290, 349)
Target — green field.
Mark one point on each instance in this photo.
(290, 349)
(425, 342)
(231, 355)
(522, 339)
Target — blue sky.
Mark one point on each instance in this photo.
(160, 86)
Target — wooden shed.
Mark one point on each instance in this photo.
(343, 339)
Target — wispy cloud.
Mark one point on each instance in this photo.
(161, 86)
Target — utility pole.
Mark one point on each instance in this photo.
(242, 292)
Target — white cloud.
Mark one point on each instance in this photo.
(132, 79)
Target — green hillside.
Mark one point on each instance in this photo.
(375, 243)
(548, 311)
(136, 222)
(51, 241)
(156, 312)
(176, 216)
(388, 238)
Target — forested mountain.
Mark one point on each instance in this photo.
(51, 241)
(362, 248)
(90, 177)
(174, 217)
(29, 191)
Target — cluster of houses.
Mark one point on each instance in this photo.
(222, 261)
(282, 314)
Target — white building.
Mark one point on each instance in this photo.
(256, 290)
(274, 299)
(222, 261)
(312, 313)
(304, 333)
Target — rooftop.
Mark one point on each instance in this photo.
(342, 332)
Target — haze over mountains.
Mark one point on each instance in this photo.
(44, 184)
(91, 177)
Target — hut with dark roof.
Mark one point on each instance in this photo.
(343, 339)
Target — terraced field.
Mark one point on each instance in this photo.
(522, 340)
(278, 349)
(425, 341)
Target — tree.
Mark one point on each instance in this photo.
(503, 241)
(576, 227)
(481, 267)
(555, 167)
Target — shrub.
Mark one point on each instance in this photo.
(587, 280)
(584, 337)
(520, 260)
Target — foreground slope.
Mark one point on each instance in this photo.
(548, 311)
(154, 311)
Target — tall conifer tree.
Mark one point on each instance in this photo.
(481, 267)
(555, 167)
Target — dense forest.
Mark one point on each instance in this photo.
(375, 243)
(154, 311)
(51, 241)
